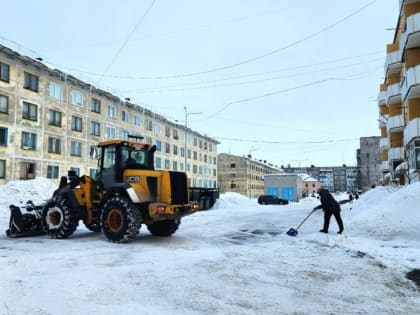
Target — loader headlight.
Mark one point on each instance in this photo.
(195, 206)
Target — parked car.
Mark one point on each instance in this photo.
(271, 200)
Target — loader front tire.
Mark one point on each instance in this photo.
(59, 219)
(120, 220)
(164, 228)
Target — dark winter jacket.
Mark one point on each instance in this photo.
(328, 203)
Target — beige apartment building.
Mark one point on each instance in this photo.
(51, 121)
(399, 99)
(243, 175)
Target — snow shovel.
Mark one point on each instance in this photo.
(294, 232)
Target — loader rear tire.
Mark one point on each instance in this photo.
(59, 219)
(120, 220)
(164, 228)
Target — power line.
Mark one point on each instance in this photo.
(262, 96)
(128, 38)
(287, 142)
(191, 86)
(266, 54)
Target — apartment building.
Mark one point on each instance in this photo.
(335, 178)
(50, 122)
(369, 161)
(399, 99)
(243, 174)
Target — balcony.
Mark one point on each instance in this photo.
(410, 85)
(411, 37)
(381, 98)
(393, 93)
(393, 61)
(395, 123)
(384, 143)
(396, 154)
(384, 166)
(412, 130)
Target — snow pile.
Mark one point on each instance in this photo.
(235, 259)
(18, 192)
(387, 213)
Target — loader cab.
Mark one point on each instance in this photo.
(116, 156)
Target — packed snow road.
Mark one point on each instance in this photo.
(235, 259)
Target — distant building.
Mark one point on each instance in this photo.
(310, 185)
(369, 161)
(286, 186)
(335, 178)
(242, 174)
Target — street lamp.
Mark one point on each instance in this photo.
(185, 136)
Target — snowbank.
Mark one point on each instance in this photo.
(387, 213)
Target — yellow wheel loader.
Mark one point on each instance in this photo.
(126, 193)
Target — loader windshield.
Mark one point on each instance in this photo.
(133, 158)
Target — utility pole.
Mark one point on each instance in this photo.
(186, 126)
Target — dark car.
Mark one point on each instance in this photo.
(271, 200)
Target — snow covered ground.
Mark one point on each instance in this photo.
(234, 259)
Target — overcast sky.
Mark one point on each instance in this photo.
(288, 81)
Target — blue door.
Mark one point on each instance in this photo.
(273, 191)
(288, 193)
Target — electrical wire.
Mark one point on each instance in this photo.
(273, 52)
(128, 37)
(172, 88)
(286, 142)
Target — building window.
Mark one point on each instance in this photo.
(174, 165)
(4, 72)
(149, 125)
(125, 116)
(157, 129)
(167, 148)
(76, 170)
(76, 123)
(95, 128)
(95, 106)
(54, 118)
(175, 132)
(158, 145)
(30, 111)
(54, 145)
(137, 120)
(167, 164)
(56, 91)
(182, 152)
(232, 185)
(175, 150)
(52, 171)
(167, 131)
(111, 133)
(194, 155)
(2, 169)
(28, 141)
(75, 148)
(112, 111)
(195, 169)
(3, 136)
(4, 104)
(30, 82)
(233, 165)
(158, 162)
(76, 98)
(92, 173)
(124, 135)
